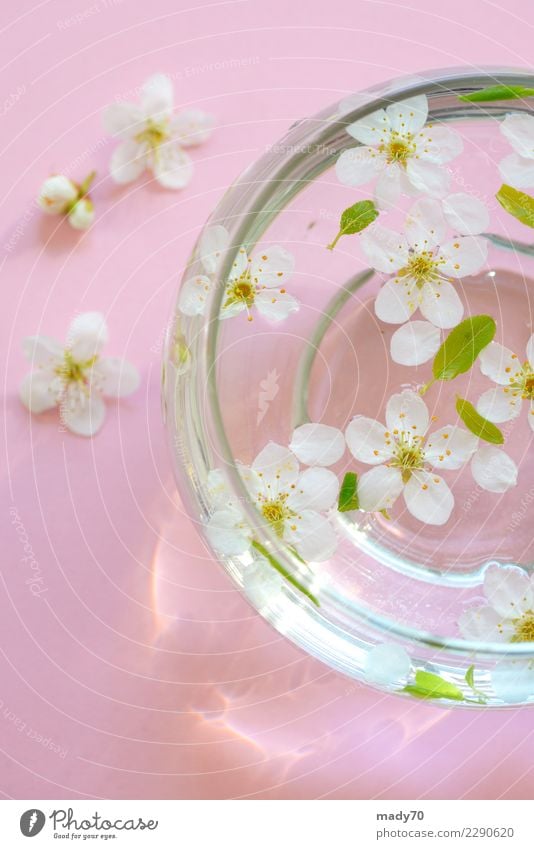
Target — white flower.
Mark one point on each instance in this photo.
(387, 664)
(515, 383)
(396, 149)
(152, 138)
(423, 265)
(61, 196)
(259, 282)
(403, 457)
(317, 444)
(75, 377)
(509, 615)
(195, 290)
(82, 214)
(291, 502)
(517, 169)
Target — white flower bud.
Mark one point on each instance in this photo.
(57, 193)
(82, 214)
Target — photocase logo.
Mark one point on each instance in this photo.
(32, 822)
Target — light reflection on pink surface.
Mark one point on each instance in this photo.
(140, 672)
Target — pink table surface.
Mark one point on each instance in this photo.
(138, 671)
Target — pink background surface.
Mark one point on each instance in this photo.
(138, 671)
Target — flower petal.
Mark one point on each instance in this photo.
(499, 404)
(370, 130)
(425, 224)
(82, 214)
(484, 624)
(379, 488)
(275, 306)
(277, 466)
(114, 377)
(387, 665)
(518, 128)
(415, 343)
(316, 444)
(397, 300)
(172, 166)
(227, 532)
(128, 161)
(213, 242)
(513, 682)
(450, 447)
(272, 267)
(466, 214)
(464, 256)
(498, 363)
(385, 249)
(406, 411)
(388, 187)
(313, 536)
(42, 351)
(194, 294)
(493, 469)
(428, 498)
(358, 165)
(408, 116)
(157, 97)
(124, 120)
(192, 127)
(428, 177)
(80, 412)
(441, 304)
(87, 335)
(369, 441)
(508, 590)
(438, 144)
(517, 171)
(316, 489)
(38, 392)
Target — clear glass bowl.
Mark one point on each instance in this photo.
(385, 607)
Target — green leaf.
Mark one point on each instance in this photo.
(283, 571)
(348, 494)
(517, 203)
(355, 219)
(497, 92)
(470, 677)
(461, 348)
(477, 424)
(430, 686)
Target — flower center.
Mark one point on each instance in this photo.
(398, 148)
(276, 512)
(422, 267)
(153, 134)
(241, 289)
(524, 628)
(528, 385)
(73, 371)
(409, 455)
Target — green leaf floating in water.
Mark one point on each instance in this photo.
(517, 203)
(430, 686)
(477, 424)
(355, 219)
(497, 92)
(283, 571)
(461, 348)
(348, 494)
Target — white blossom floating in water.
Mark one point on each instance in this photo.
(517, 169)
(401, 152)
(61, 196)
(508, 617)
(515, 383)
